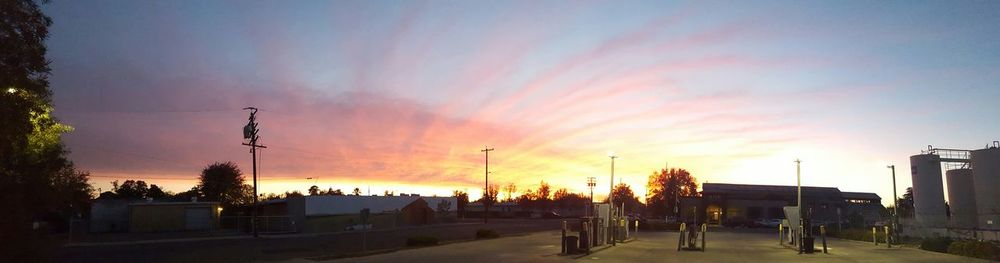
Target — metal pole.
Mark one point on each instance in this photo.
(486, 193)
(798, 177)
(895, 205)
(611, 202)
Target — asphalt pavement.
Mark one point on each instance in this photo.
(724, 246)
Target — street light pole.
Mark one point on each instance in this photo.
(895, 204)
(611, 200)
(798, 177)
(486, 193)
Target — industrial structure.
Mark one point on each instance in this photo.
(973, 177)
(745, 205)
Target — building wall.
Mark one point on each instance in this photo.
(109, 216)
(167, 217)
(156, 218)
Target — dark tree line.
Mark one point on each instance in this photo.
(37, 181)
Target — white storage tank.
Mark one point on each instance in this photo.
(961, 198)
(928, 192)
(986, 173)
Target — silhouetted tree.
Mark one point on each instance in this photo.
(543, 191)
(131, 189)
(314, 190)
(623, 194)
(223, 182)
(186, 196)
(356, 191)
(490, 195)
(906, 204)
(510, 189)
(294, 193)
(463, 199)
(36, 178)
(156, 193)
(663, 188)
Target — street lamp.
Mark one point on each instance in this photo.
(611, 199)
(895, 203)
(11, 90)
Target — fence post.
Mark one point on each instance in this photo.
(822, 233)
(563, 240)
(704, 230)
(874, 236)
(887, 241)
(781, 235)
(680, 240)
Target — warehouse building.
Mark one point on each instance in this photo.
(743, 204)
(332, 213)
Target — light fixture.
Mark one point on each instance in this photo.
(11, 90)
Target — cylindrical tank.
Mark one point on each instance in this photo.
(928, 192)
(961, 198)
(986, 173)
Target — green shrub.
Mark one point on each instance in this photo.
(976, 249)
(419, 241)
(937, 244)
(486, 233)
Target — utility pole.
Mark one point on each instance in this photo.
(895, 205)
(611, 201)
(486, 193)
(250, 133)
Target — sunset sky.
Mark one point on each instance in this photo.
(402, 95)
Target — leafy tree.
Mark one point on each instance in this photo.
(314, 190)
(564, 199)
(356, 191)
(186, 196)
(623, 194)
(543, 191)
(664, 186)
(156, 193)
(334, 192)
(223, 182)
(36, 178)
(490, 196)
(294, 193)
(906, 204)
(131, 189)
(510, 189)
(462, 198)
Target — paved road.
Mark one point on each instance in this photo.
(280, 247)
(654, 247)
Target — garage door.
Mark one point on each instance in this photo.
(198, 218)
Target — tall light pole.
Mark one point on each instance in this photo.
(798, 176)
(611, 199)
(895, 203)
(486, 193)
